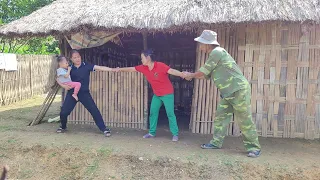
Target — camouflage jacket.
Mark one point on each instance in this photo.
(225, 73)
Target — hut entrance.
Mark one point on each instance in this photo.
(122, 97)
(179, 52)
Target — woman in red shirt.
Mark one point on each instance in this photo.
(157, 75)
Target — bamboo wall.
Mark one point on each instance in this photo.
(183, 90)
(35, 75)
(282, 63)
(119, 97)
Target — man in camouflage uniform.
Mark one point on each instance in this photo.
(235, 91)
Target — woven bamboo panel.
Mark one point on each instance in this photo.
(35, 75)
(119, 97)
(181, 61)
(282, 63)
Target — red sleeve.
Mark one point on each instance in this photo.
(164, 67)
(139, 68)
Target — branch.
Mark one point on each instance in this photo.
(10, 46)
(25, 42)
(4, 44)
(15, 44)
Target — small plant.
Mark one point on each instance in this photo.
(53, 155)
(92, 168)
(105, 152)
(12, 141)
(25, 174)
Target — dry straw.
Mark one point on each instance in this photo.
(67, 16)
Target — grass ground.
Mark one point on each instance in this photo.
(83, 153)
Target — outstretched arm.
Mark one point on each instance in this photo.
(127, 69)
(176, 73)
(102, 68)
(196, 75)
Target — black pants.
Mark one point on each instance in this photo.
(86, 99)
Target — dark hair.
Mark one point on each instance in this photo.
(148, 52)
(60, 57)
(73, 51)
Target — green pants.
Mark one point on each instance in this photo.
(156, 103)
(238, 103)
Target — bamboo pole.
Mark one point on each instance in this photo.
(125, 106)
(145, 118)
(98, 92)
(130, 98)
(122, 104)
(204, 93)
(46, 105)
(105, 98)
(139, 101)
(113, 100)
(208, 99)
(133, 94)
(102, 97)
(196, 98)
(211, 90)
(136, 109)
(234, 51)
(199, 114)
(118, 100)
(108, 92)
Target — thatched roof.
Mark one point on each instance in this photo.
(64, 16)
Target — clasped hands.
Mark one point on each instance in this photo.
(187, 75)
(115, 69)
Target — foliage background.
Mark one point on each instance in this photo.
(11, 10)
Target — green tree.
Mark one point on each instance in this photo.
(11, 10)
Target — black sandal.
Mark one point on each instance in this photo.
(60, 130)
(107, 133)
(209, 146)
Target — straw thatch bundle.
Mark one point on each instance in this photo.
(65, 16)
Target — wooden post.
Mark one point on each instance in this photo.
(145, 108)
(30, 72)
(64, 50)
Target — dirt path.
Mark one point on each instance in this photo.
(83, 153)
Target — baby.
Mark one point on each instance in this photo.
(63, 73)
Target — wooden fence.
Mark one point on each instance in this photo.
(35, 75)
(119, 97)
(282, 62)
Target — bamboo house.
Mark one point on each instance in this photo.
(275, 43)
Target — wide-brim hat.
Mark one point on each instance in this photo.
(208, 37)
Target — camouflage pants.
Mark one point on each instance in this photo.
(238, 103)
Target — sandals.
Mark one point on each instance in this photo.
(209, 146)
(107, 133)
(60, 130)
(147, 136)
(254, 154)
